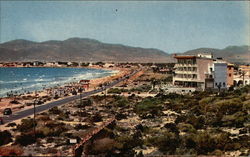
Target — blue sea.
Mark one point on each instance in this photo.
(21, 80)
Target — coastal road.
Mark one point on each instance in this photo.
(41, 108)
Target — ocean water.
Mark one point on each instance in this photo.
(20, 80)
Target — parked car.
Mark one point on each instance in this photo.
(7, 111)
(1, 120)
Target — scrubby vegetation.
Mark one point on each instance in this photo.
(202, 123)
(206, 123)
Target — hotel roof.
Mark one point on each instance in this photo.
(190, 57)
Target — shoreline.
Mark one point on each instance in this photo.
(45, 95)
(113, 70)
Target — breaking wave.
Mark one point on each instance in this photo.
(19, 81)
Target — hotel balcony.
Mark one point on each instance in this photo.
(185, 79)
(185, 72)
(184, 65)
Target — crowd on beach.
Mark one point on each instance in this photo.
(25, 100)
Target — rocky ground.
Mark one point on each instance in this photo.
(148, 122)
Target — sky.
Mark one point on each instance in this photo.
(170, 26)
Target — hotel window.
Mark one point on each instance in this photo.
(229, 75)
(224, 84)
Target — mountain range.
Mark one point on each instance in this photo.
(234, 54)
(90, 50)
(77, 49)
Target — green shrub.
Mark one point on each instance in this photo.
(5, 137)
(48, 130)
(26, 125)
(114, 91)
(206, 100)
(167, 142)
(246, 106)
(122, 102)
(55, 110)
(128, 142)
(229, 106)
(197, 121)
(11, 124)
(235, 120)
(204, 143)
(25, 139)
(102, 146)
(149, 105)
(96, 118)
(84, 102)
(186, 127)
(142, 88)
(222, 140)
(172, 127)
(189, 141)
(63, 116)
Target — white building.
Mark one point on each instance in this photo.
(220, 75)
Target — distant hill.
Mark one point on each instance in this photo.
(90, 50)
(234, 54)
(77, 49)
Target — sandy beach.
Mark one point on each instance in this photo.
(25, 101)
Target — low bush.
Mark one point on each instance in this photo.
(149, 105)
(121, 102)
(166, 142)
(25, 139)
(102, 146)
(230, 106)
(52, 131)
(84, 102)
(114, 91)
(11, 124)
(206, 100)
(14, 102)
(63, 116)
(96, 118)
(5, 137)
(55, 110)
(204, 143)
(142, 88)
(172, 127)
(26, 125)
(80, 126)
(186, 128)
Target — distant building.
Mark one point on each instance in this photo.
(242, 76)
(220, 75)
(85, 83)
(205, 55)
(27, 64)
(191, 71)
(37, 63)
(230, 75)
